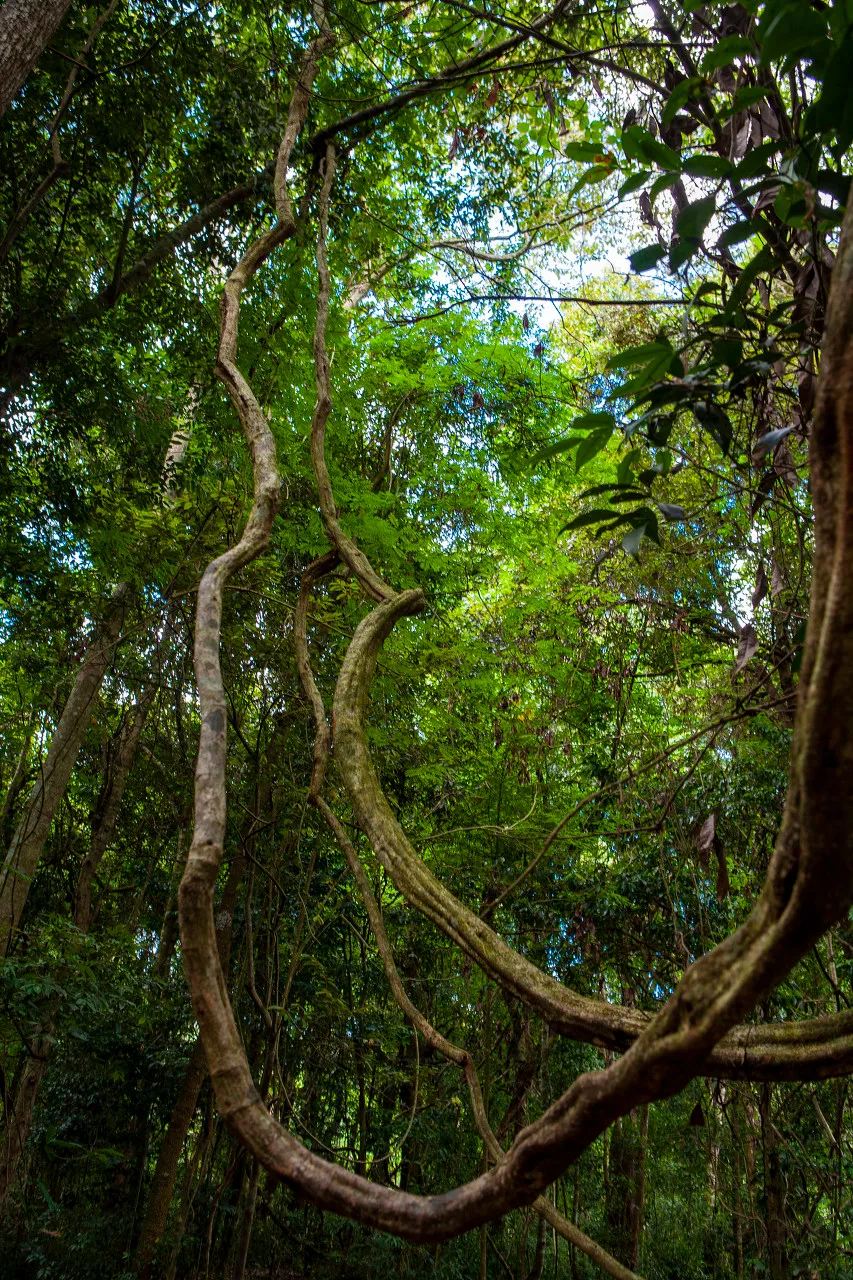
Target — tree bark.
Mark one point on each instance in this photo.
(31, 833)
(622, 1207)
(169, 932)
(103, 829)
(539, 1254)
(246, 1223)
(638, 1203)
(108, 808)
(166, 1171)
(17, 781)
(26, 26)
(774, 1191)
(19, 1122)
(168, 1158)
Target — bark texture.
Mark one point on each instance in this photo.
(26, 27)
(19, 1122)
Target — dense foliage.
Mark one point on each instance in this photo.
(579, 263)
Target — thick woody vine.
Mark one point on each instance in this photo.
(809, 884)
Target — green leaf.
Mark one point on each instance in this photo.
(589, 421)
(583, 152)
(797, 27)
(715, 421)
(586, 422)
(833, 110)
(551, 450)
(693, 220)
(633, 538)
(757, 161)
(641, 354)
(680, 96)
(645, 259)
(736, 235)
(597, 516)
(725, 51)
(634, 183)
(628, 495)
(682, 251)
(596, 174)
(705, 289)
(834, 184)
(791, 206)
(597, 489)
(671, 511)
(743, 99)
(638, 144)
(592, 445)
(703, 166)
(660, 184)
(623, 473)
(762, 261)
(727, 351)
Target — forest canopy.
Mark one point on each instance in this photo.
(426, 512)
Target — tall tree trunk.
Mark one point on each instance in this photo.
(19, 1121)
(166, 1169)
(169, 932)
(737, 1210)
(31, 833)
(29, 839)
(194, 1177)
(623, 1210)
(168, 1158)
(26, 26)
(539, 1255)
(638, 1203)
(246, 1223)
(247, 1219)
(103, 828)
(109, 805)
(17, 780)
(576, 1204)
(774, 1190)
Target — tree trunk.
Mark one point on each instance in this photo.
(166, 1170)
(29, 839)
(737, 1211)
(194, 1177)
(246, 1223)
(168, 1158)
(638, 1205)
(19, 1122)
(103, 829)
(26, 26)
(169, 932)
(539, 1255)
(774, 1190)
(17, 781)
(623, 1209)
(109, 805)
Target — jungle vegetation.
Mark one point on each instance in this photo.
(426, 539)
